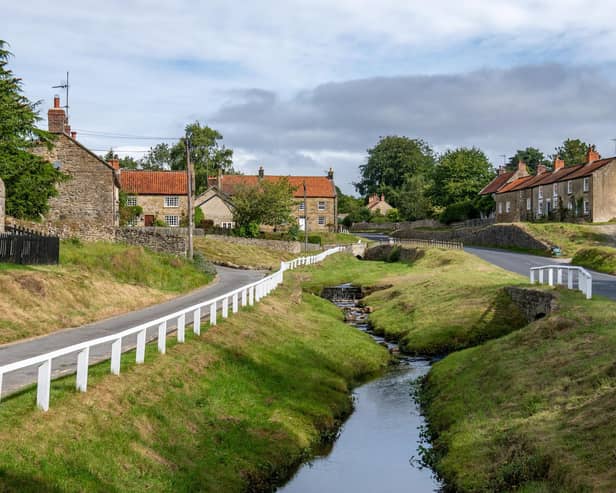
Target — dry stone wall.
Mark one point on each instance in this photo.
(158, 241)
(533, 303)
(283, 246)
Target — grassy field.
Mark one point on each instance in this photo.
(245, 256)
(232, 410)
(533, 411)
(569, 237)
(444, 301)
(93, 281)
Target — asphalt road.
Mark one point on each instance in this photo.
(227, 280)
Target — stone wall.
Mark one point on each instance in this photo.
(284, 246)
(2, 205)
(423, 223)
(153, 239)
(67, 229)
(533, 303)
(496, 235)
(383, 252)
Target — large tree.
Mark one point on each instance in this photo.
(208, 155)
(30, 180)
(389, 164)
(572, 151)
(532, 156)
(459, 175)
(126, 162)
(415, 202)
(157, 158)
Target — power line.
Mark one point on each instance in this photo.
(94, 133)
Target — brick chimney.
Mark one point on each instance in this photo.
(522, 169)
(261, 172)
(558, 163)
(382, 197)
(73, 135)
(330, 173)
(592, 155)
(114, 163)
(56, 117)
(541, 168)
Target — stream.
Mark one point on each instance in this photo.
(377, 445)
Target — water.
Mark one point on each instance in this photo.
(374, 451)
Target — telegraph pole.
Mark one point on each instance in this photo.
(189, 180)
(305, 220)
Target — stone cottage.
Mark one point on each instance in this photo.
(585, 192)
(320, 207)
(87, 204)
(2, 205)
(378, 205)
(162, 195)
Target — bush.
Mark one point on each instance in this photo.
(394, 255)
(203, 265)
(316, 239)
(347, 221)
(247, 231)
(460, 211)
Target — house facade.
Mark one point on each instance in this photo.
(583, 192)
(378, 205)
(87, 204)
(162, 196)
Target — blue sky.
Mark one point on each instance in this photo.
(299, 86)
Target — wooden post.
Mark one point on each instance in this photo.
(43, 385)
(197, 321)
(82, 369)
(116, 356)
(162, 338)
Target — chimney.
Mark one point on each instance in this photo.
(73, 135)
(592, 155)
(501, 170)
(330, 173)
(373, 198)
(56, 117)
(382, 197)
(522, 169)
(114, 163)
(558, 163)
(541, 169)
(261, 172)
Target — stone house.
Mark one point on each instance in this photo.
(162, 196)
(320, 207)
(377, 205)
(87, 204)
(581, 192)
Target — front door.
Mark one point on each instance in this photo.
(149, 220)
(302, 224)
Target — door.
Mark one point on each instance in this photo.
(302, 224)
(149, 220)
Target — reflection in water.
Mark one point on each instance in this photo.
(373, 451)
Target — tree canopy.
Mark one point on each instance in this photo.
(572, 151)
(532, 156)
(30, 180)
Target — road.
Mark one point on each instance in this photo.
(227, 280)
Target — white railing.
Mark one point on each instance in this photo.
(245, 295)
(575, 277)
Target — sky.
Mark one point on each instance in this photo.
(299, 86)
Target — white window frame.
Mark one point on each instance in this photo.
(586, 183)
(132, 222)
(500, 207)
(586, 207)
(540, 207)
(131, 201)
(529, 204)
(569, 187)
(301, 206)
(226, 225)
(172, 201)
(321, 220)
(322, 205)
(555, 190)
(172, 221)
(540, 192)
(507, 207)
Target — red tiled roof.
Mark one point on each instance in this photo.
(316, 186)
(555, 176)
(496, 183)
(142, 182)
(515, 184)
(588, 169)
(532, 181)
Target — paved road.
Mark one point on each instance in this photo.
(228, 280)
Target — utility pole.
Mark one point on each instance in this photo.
(305, 220)
(189, 175)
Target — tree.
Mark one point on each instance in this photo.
(268, 202)
(127, 162)
(390, 162)
(415, 202)
(460, 175)
(347, 204)
(207, 154)
(531, 156)
(157, 158)
(572, 151)
(30, 180)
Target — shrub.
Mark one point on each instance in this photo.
(203, 265)
(460, 211)
(316, 239)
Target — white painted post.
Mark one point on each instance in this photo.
(82, 369)
(589, 288)
(569, 278)
(162, 337)
(1, 375)
(551, 276)
(182, 327)
(213, 313)
(197, 321)
(234, 303)
(532, 276)
(540, 276)
(257, 293)
(116, 356)
(251, 296)
(140, 358)
(559, 277)
(43, 385)
(225, 307)
(244, 297)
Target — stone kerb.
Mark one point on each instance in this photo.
(2, 205)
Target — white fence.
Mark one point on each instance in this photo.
(245, 295)
(575, 276)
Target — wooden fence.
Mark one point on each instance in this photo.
(23, 246)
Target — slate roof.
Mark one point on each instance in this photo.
(142, 182)
(316, 186)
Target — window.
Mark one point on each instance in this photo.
(321, 205)
(569, 186)
(322, 220)
(301, 206)
(227, 225)
(507, 206)
(500, 207)
(586, 184)
(132, 221)
(172, 201)
(131, 201)
(540, 207)
(555, 190)
(172, 221)
(540, 192)
(528, 204)
(586, 207)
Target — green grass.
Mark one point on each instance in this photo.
(534, 410)
(231, 410)
(602, 259)
(335, 238)
(444, 301)
(245, 256)
(569, 237)
(134, 265)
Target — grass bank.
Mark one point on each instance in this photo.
(532, 411)
(571, 237)
(244, 256)
(231, 410)
(601, 259)
(444, 301)
(92, 282)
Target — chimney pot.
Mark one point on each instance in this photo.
(74, 135)
(261, 172)
(56, 101)
(114, 163)
(330, 173)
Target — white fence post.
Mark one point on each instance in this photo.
(234, 306)
(197, 321)
(43, 385)
(140, 357)
(213, 313)
(589, 288)
(251, 296)
(225, 307)
(540, 276)
(551, 276)
(569, 279)
(116, 356)
(82, 369)
(244, 296)
(162, 337)
(559, 277)
(182, 327)
(532, 276)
